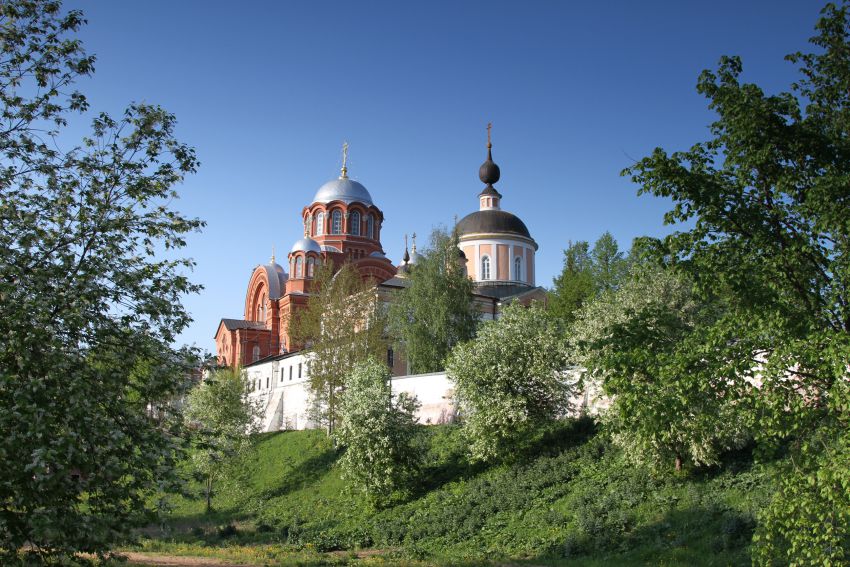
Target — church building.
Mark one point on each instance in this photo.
(342, 224)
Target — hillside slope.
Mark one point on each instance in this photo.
(570, 496)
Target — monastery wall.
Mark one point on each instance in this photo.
(281, 388)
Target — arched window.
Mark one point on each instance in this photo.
(320, 223)
(310, 264)
(261, 308)
(485, 268)
(299, 267)
(354, 224)
(256, 353)
(337, 222)
(518, 269)
(370, 226)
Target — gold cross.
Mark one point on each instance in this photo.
(344, 160)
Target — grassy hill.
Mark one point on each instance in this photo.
(570, 498)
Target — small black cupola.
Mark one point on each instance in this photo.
(489, 173)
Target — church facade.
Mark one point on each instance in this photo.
(343, 224)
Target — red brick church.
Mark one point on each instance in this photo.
(343, 224)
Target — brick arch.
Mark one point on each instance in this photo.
(313, 211)
(258, 286)
(376, 269)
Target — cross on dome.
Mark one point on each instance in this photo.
(344, 173)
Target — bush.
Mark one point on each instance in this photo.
(227, 531)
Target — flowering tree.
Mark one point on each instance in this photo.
(509, 380)
(644, 342)
(378, 432)
(89, 307)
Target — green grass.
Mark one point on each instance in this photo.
(568, 499)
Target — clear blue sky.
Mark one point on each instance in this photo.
(267, 92)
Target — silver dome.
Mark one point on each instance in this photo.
(306, 244)
(343, 189)
(277, 280)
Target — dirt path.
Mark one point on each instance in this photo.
(157, 560)
(178, 561)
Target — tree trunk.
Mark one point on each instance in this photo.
(331, 408)
(209, 494)
(678, 462)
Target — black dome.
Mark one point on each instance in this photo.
(492, 221)
(489, 172)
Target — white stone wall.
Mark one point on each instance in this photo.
(434, 391)
(286, 403)
(284, 400)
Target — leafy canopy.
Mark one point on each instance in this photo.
(222, 417)
(585, 273)
(644, 343)
(88, 311)
(383, 451)
(768, 199)
(343, 324)
(509, 381)
(436, 311)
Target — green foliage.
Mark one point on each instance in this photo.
(87, 311)
(767, 198)
(574, 285)
(644, 343)
(608, 266)
(808, 518)
(342, 325)
(585, 274)
(378, 433)
(436, 311)
(573, 496)
(222, 416)
(509, 380)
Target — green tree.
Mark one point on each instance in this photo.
(342, 325)
(767, 201)
(87, 311)
(379, 433)
(436, 311)
(574, 285)
(586, 273)
(644, 343)
(608, 266)
(222, 417)
(509, 380)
